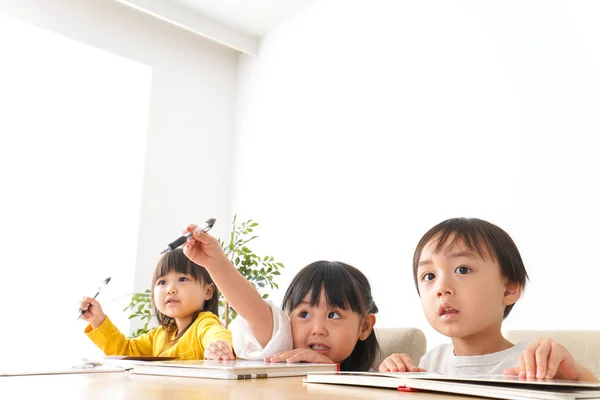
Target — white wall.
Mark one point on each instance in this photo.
(188, 162)
(364, 123)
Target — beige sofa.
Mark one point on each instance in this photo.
(400, 340)
(583, 345)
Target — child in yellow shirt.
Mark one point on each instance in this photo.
(185, 301)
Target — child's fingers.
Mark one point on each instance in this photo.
(522, 367)
(84, 305)
(512, 371)
(191, 240)
(541, 359)
(208, 354)
(92, 301)
(403, 362)
(285, 356)
(306, 355)
(397, 363)
(408, 364)
(529, 359)
(220, 350)
(298, 355)
(386, 365)
(225, 349)
(190, 228)
(281, 356)
(212, 353)
(556, 357)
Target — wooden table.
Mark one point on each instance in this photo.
(125, 386)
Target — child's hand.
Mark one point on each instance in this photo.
(219, 350)
(548, 359)
(299, 355)
(203, 249)
(94, 314)
(399, 363)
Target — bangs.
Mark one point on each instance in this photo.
(460, 231)
(476, 243)
(176, 261)
(333, 279)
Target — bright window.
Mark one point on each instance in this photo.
(73, 130)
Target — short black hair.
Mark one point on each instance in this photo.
(178, 262)
(480, 237)
(345, 287)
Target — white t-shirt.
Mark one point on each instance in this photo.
(247, 347)
(442, 360)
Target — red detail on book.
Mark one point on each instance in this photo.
(407, 389)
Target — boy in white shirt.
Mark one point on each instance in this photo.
(469, 274)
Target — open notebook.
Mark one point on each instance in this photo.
(492, 386)
(27, 366)
(53, 367)
(239, 369)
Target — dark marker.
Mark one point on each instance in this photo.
(182, 239)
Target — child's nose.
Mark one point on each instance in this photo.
(318, 329)
(171, 289)
(444, 287)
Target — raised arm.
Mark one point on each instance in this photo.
(108, 337)
(206, 251)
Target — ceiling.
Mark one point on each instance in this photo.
(253, 18)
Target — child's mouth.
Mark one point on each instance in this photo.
(448, 312)
(319, 348)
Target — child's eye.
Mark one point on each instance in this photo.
(462, 270)
(334, 315)
(160, 282)
(304, 314)
(183, 279)
(427, 277)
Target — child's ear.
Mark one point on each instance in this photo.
(512, 292)
(367, 326)
(208, 291)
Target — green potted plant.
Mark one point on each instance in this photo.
(260, 271)
(140, 306)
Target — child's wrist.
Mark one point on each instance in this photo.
(95, 324)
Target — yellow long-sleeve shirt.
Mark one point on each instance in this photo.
(190, 346)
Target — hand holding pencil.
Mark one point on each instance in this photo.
(90, 309)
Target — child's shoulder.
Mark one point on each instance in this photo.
(207, 317)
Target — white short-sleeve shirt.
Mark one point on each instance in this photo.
(442, 360)
(246, 346)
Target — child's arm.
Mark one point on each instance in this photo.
(216, 340)
(548, 359)
(107, 336)
(206, 251)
